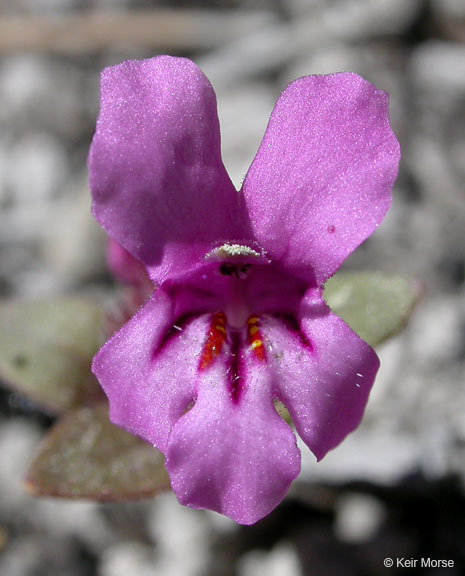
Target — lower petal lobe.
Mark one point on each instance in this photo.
(322, 373)
(237, 458)
(149, 373)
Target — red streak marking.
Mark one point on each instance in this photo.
(215, 340)
(255, 338)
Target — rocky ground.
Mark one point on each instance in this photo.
(396, 487)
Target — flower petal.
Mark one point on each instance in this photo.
(323, 374)
(149, 371)
(158, 183)
(323, 174)
(123, 265)
(237, 458)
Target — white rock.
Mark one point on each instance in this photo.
(39, 93)
(276, 44)
(439, 67)
(392, 358)
(73, 247)
(221, 524)
(282, 560)
(23, 79)
(18, 442)
(37, 166)
(181, 535)
(373, 455)
(367, 18)
(68, 518)
(244, 114)
(20, 557)
(358, 517)
(435, 332)
(128, 559)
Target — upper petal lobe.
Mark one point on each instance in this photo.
(158, 183)
(323, 174)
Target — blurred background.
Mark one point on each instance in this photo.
(395, 488)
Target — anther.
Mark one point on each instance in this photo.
(255, 338)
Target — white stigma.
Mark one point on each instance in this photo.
(232, 251)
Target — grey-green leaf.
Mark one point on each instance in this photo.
(86, 456)
(46, 349)
(375, 305)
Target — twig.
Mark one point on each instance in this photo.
(156, 29)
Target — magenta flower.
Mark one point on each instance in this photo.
(123, 266)
(238, 319)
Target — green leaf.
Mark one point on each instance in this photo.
(46, 349)
(86, 456)
(282, 411)
(375, 305)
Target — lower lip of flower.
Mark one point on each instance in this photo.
(237, 298)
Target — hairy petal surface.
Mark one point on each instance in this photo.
(237, 458)
(323, 174)
(158, 183)
(149, 370)
(323, 374)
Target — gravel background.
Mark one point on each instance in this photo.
(395, 488)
